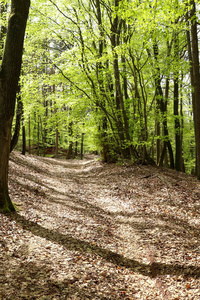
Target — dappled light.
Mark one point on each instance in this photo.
(87, 230)
(99, 150)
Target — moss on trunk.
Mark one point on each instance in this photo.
(6, 204)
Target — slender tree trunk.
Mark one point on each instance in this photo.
(29, 134)
(9, 77)
(19, 113)
(23, 140)
(100, 77)
(158, 146)
(178, 153)
(76, 149)
(123, 121)
(182, 122)
(178, 150)
(82, 140)
(23, 133)
(56, 146)
(38, 135)
(70, 149)
(162, 106)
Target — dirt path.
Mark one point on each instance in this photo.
(86, 230)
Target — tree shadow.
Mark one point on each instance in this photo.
(71, 200)
(30, 280)
(151, 270)
(187, 228)
(73, 244)
(66, 164)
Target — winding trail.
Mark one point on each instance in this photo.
(87, 230)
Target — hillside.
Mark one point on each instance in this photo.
(87, 230)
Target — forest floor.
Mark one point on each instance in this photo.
(87, 230)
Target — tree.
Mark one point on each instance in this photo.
(196, 86)
(19, 112)
(9, 78)
(122, 83)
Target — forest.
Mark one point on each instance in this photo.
(115, 77)
(99, 150)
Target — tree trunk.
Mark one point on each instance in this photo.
(5, 136)
(23, 134)
(56, 146)
(178, 150)
(23, 140)
(196, 74)
(70, 149)
(157, 130)
(178, 153)
(182, 121)
(19, 112)
(123, 122)
(162, 105)
(76, 149)
(29, 135)
(38, 135)
(100, 77)
(9, 77)
(82, 139)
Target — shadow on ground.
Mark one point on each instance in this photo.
(153, 270)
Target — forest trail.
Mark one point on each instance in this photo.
(87, 230)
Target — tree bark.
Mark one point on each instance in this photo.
(29, 135)
(23, 134)
(15, 136)
(82, 140)
(100, 77)
(177, 125)
(189, 46)
(56, 145)
(70, 149)
(162, 105)
(23, 140)
(123, 122)
(9, 78)
(196, 74)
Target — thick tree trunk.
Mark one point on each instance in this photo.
(9, 77)
(196, 80)
(5, 137)
(191, 79)
(182, 121)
